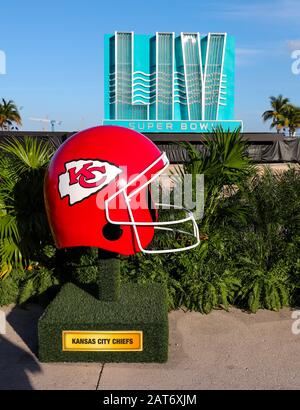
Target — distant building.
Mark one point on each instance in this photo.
(168, 83)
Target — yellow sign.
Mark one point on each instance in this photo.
(104, 341)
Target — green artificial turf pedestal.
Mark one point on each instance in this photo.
(139, 308)
(109, 279)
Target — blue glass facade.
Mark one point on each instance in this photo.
(169, 78)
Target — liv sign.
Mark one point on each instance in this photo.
(170, 83)
(176, 126)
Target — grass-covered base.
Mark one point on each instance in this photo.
(141, 307)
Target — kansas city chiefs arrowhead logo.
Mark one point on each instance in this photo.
(84, 178)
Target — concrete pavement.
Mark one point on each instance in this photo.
(223, 350)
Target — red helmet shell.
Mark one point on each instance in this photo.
(86, 170)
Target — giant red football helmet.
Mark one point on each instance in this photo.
(97, 192)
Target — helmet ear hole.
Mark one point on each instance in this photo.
(112, 232)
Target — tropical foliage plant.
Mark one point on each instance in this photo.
(249, 254)
(250, 258)
(24, 230)
(283, 115)
(9, 114)
(225, 165)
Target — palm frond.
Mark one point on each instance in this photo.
(29, 153)
(23, 222)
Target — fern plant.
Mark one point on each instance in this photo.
(266, 289)
(264, 268)
(199, 279)
(208, 289)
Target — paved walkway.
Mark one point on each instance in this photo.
(234, 350)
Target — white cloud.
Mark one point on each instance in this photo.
(249, 56)
(2, 63)
(293, 44)
(248, 51)
(274, 9)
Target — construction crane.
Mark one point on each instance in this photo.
(53, 123)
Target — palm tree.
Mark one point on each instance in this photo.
(225, 165)
(278, 104)
(290, 119)
(9, 114)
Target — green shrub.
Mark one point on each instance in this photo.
(250, 255)
(266, 290)
(224, 163)
(146, 269)
(208, 285)
(9, 289)
(21, 286)
(197, 279)
(79, 264)
(250, 258)
(35, 284)
(24, 229)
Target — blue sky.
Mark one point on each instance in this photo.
(54, 51)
